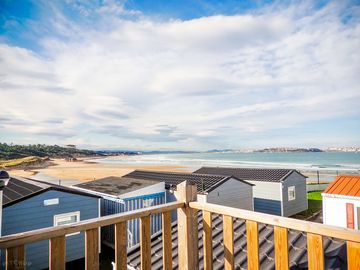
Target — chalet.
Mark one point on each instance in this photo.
(29, 205)
(217, 189)
(276, 191)
(122, 194)
(341, 202)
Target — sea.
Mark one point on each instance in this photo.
(313, 161)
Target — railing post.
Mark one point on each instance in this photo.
(187, 228)
(15, 258)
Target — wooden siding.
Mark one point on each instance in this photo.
(300, 203)
(232, 193)
(31, 214)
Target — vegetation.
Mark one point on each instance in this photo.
(10, 151)
(27, 161)
(314, 205)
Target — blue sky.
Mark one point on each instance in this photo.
(191, 75)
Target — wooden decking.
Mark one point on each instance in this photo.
(187, 208)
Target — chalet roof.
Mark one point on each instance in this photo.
(348, 185)
(116, 185)
(334, 250)
(250, 174)
(19, 189)
(204, 182)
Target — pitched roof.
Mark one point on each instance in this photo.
(204, 182)
(251, 174)
(19, 189)
(348, 185)
(334, 250)
(116, 185)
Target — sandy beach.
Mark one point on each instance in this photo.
(83, 170)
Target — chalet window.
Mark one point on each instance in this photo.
(148, 202)
(67, 218)
(291, 193)
(358, 217)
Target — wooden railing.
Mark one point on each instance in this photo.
(314, 231)
(188, 253)
(15, 244)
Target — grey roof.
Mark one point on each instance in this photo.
(204, 182)
(19, 189)
(334, 250)
(251, 174)
(116, 185)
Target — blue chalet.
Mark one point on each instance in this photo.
(122, 194)
(29, 205)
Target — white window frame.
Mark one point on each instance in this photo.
(148, 202)
(64, 215)
(291, 190)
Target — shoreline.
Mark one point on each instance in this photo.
(88, 169)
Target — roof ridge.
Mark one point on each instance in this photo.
(181, 173)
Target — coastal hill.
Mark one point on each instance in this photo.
(39, 155)
(10, 151)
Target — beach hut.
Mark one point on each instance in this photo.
(29, 205)
(341, 202)
(276, 191)
(218, 189)
(121, 194)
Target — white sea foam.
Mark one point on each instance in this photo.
(198, 160)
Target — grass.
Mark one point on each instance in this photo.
(314, 205)
(20, 161)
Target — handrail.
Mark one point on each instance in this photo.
(289, 223)
(51, 232)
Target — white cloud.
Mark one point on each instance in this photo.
(176, 84)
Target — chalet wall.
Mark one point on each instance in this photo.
(267, 197)
(334, 211)
(111, 206)
(232, 193)
(300, 203)
(31, 214)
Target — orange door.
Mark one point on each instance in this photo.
(350, 216)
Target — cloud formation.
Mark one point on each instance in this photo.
(133, 81)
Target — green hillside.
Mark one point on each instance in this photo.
(9, 151)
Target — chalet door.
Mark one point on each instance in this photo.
(350, 216)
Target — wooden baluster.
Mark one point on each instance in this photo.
(145, 243)
(187, 228)
(92, 249)
(57, 253)
(315, 252)
(166, 239)
(353, 255)
(281, 248)
(121, 246)
(207, 239)
(252, 235)
(228, 239)
(15, 258)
